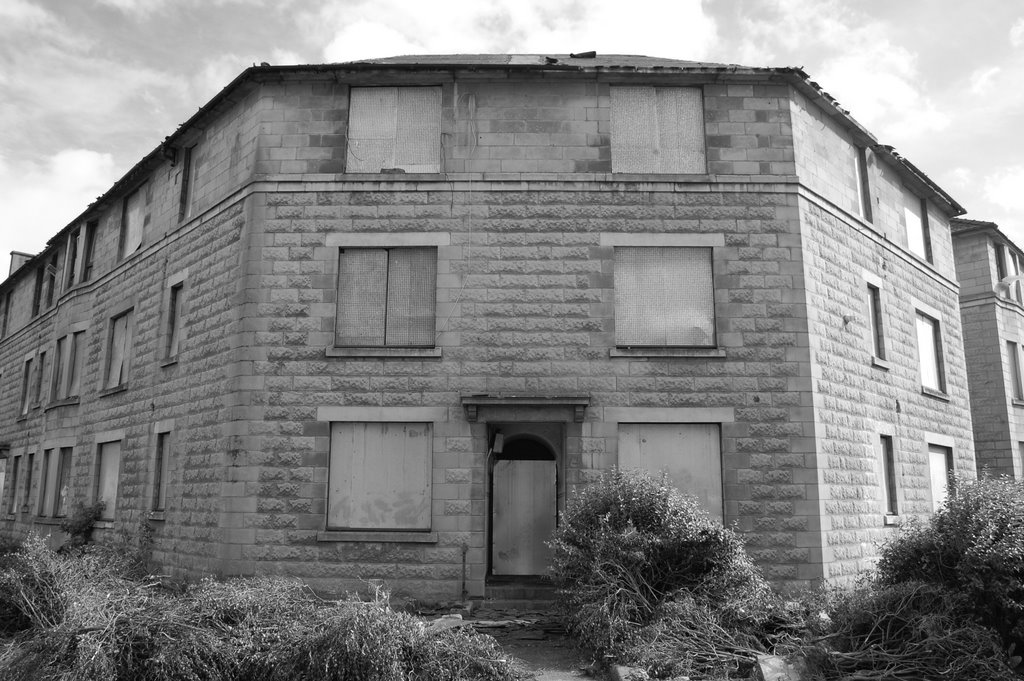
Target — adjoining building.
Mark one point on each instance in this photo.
(379, 320)
(992, 314)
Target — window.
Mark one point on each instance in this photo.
(860, 175)
(1013, 356)
(3, 474)
(940, 466)
(37, 291)
(1008, 265)
(657, 130)
(63, 481)
(132, 222)
(689, 454)
(888, 464)
(188, 181)
(57, 379)
(7, 315)
(26, 386)
(160, 468)
(915, 214)
(380, 476)
(87, 249)
(174, 319)
(74, 246)
(664, 296)
(108, 467)
(37, 390)
(27, 477)
(875, 321)
(118, 350)
(67, 366)
(12, 507)
(50, 280)
(386, 297)
(47, 483)
(929, 348)
(394, 128)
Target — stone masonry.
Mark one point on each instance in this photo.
(246, 208)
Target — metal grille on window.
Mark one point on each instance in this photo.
(664, 297)
(393, 127)
(657, 130)
(386, 297)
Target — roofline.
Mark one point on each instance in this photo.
(794, 75)
(976, 226)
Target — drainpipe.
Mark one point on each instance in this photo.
(465, 548)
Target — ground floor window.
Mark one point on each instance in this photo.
(379, 476)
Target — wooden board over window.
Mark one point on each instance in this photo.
(380, 476)
(657, 130)
(688, 453)
(394, 128)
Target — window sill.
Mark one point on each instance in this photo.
(1018, 403)
(46, 520)
(66, 402)
(103, 524)
(157, 515)
(113, 391)
(892, 521)
(409, 537)
(169, 361)
(21, 417)
(879, 363)
(415, 353)
(666, 352)
(935, 394)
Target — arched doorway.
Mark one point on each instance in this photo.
(524, 505)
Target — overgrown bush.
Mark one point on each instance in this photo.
(80, 522)
(88, 620)
(973, 546)
(911, 630)
(627, 544)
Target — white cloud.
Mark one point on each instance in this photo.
(19, 14)
(1004, 188)
(1017, 33)
(356, 30)
(40, 199)
(876, 78)
(982, 80)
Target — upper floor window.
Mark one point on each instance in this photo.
(863, 186)
(888, 466)
(71, 266)
(175, 303)
(929, 348)
(875, 321)
(6, 321)
(394, 128)
(88, 246)
(657, 130)
(50, 280)
(664, 296)
(188, 182)
(1008, 265)
(915, 215)
(1013, 356)
(26, 385)
(386, 297)
(67, 366)
(118, 351)
(132, 220)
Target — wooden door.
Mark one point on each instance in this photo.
(522, 516)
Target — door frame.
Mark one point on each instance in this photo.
(549, 434)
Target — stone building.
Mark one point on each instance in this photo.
(379, 319)
(988, 267)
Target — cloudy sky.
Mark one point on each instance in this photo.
(88, 87)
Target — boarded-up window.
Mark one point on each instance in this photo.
(689, 454)
(664, 297)
(26, 386)
(3, 474)
(940, 466)
(657, 130)
(160, 468)
(916, 217)
(131, 222)
(76, 358)
(875, 325)
(887, 462)
(380, 476)
(117, 351)
(177, 295)
(47, 482)
(63, 483)
(12, 491)
(394, 127)
(386, 297)
(108, 468)
(929, 348)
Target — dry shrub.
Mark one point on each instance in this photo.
(89, 621)
(973, 545)
(627, 544)
(908, 631)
